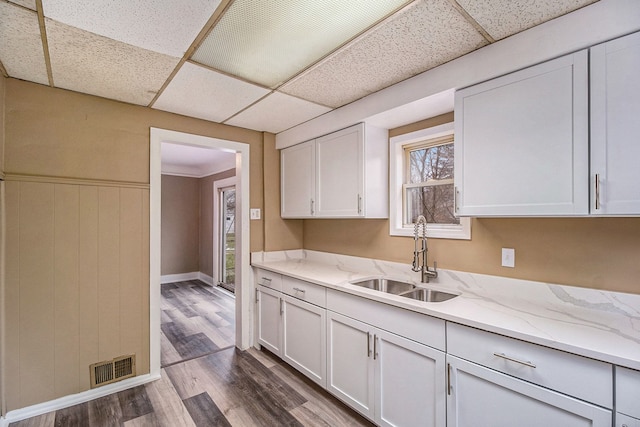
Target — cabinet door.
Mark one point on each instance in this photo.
(269, 319)
(297, 180)
(304, 338)
(350, 362)
(340, 173)
(409, 382)
(481, 397)
(615, 126)
(521, 142)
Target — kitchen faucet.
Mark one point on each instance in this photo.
(420, 233)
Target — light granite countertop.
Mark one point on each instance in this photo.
(598, 324)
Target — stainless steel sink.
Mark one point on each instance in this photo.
(383, 284)
(428, 295)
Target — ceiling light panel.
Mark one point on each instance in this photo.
(199, 92)
(88, 63)
(502, 18)
(277, 112)
(269, 41)
(164, 26)
(21, 44)
(422, 36)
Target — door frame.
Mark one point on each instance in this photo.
(244, 313)
(217, 222)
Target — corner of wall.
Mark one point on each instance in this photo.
(279, 234)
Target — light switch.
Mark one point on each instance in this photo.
(254, 213)
(508, 257)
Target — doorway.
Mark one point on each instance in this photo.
(242, 280)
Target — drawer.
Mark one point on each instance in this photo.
(305, 291)
(576, 376)
(269, 279)
(625, 421)
(628, 392)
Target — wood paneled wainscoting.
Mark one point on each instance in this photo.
(77, 283)
(206, 381)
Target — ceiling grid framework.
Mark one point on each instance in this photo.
(148, 52)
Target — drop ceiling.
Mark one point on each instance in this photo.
(266, 65)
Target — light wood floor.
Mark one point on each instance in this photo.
(206, 381)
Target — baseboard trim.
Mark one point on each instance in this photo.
(183, 277)
(74, 399)
(206, 278)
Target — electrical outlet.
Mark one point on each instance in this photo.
(508, 257)
(254, 213)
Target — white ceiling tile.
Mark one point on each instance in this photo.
(199, 92)
(164, 26)
(88, 63)
(502, 18)
(21, 45)
(277, 112)
(412, 41)
(31, 4)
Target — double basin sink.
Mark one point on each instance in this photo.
(404, 289)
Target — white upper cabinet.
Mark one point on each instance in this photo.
(340, 175)
(521, 142)
(615, 127)
(297, 179)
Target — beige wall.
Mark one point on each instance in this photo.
(77, 203)
(3, 83)
(180, 225)
(599, 253)
(279, 234)
(2, 255)
(206, 219)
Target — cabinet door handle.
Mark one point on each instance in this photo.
(597, 191)
(281, 307)
(368, 344)
(257, 294)
(449, 379)
(312, 210)
(359, 204)
(513, 359)
(375, 347)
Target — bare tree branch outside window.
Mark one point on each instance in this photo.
(429, 190)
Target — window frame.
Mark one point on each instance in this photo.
(397, 175)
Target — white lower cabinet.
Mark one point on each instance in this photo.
(389, 379)
(269, 319)
(304, 338)
(482, 397)
(627, 393)
(294, 330)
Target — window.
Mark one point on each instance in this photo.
(421, 183)
(428, 187)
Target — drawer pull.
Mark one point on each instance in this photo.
(266, 281)
(512, 359)
(299, 290)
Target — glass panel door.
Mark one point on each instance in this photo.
(227, 266)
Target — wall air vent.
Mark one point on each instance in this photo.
(114, 370)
